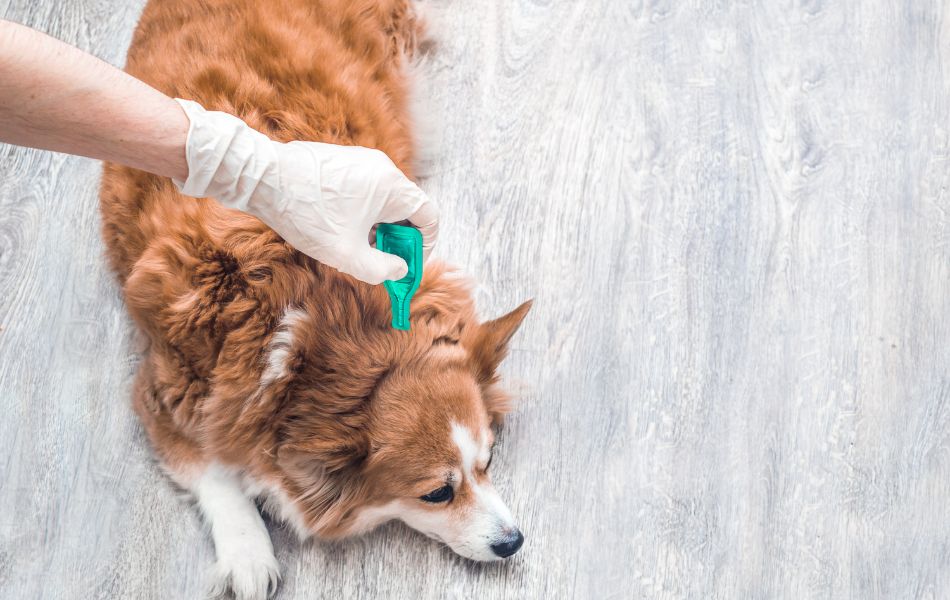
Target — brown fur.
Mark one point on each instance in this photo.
(355, 420)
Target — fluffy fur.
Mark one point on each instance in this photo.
(268, 374)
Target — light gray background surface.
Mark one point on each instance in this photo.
(734, 218)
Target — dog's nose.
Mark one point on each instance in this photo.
(509, 547)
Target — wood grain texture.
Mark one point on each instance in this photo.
(734, 218)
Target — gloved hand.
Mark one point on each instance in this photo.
(322, 198)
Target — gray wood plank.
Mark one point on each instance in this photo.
(735, 382)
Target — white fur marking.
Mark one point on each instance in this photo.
(467, 447)
(281, 346)
(246, 563)
(372, 516)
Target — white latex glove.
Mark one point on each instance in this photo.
(322, 198)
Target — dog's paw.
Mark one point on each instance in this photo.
(250, 575)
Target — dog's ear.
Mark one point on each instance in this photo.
(488, 344)
(487, 347)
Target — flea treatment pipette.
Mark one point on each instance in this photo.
(406, 243)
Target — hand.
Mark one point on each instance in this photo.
(323, 199)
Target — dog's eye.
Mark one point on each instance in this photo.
(443, 494)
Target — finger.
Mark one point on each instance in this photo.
(403, 198)
(426, 220)
(374, 266)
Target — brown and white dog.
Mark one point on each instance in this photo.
(270, 376)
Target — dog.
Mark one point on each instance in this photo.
(272, 378)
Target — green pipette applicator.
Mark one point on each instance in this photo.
(406, 243)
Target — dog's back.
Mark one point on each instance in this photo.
(320, 70)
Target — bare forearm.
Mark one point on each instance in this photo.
(56, 97)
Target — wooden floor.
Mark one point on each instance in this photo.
(734, 218)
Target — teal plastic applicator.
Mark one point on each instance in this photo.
(406, 243)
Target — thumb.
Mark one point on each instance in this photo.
(375, 266)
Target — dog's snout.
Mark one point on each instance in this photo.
(509, 546)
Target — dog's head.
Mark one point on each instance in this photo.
(383, 425)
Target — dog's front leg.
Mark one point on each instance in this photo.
(246, 563)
